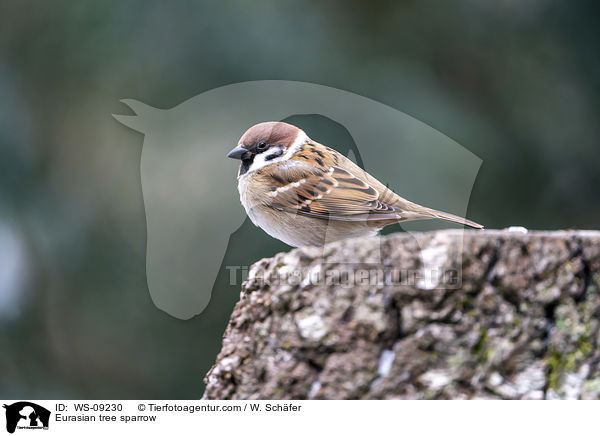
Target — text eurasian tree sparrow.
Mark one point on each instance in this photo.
(304, 193)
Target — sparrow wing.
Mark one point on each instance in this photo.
(335, 195)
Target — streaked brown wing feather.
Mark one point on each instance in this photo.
(317, 181)
(336, 195)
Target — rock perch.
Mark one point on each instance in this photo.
(440, 315)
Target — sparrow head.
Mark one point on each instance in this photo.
(267, 143)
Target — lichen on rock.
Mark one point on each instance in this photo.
(441, 315)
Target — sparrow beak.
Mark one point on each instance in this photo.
(237, 153)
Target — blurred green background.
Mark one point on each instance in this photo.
(516, 83)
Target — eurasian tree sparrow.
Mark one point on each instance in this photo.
(304, 193)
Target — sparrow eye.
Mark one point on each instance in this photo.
(262, 146)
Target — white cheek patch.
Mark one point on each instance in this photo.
(260, 159)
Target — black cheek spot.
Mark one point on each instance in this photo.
(275, 154)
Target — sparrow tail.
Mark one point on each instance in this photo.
(450, 217)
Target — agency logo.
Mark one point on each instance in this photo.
(26, 415)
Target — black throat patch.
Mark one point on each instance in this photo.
(245, 165)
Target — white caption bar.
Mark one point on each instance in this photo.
(297, 417)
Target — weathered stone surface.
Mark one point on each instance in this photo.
(523, 322)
